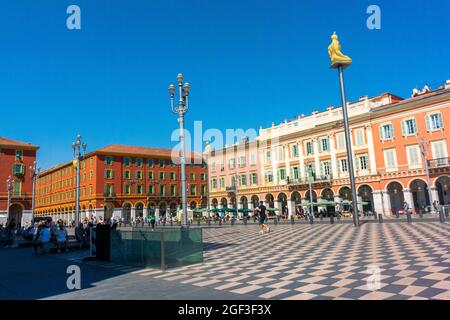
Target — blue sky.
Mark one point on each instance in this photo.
(250, 62)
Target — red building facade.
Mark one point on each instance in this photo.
(123, 182)
(15, 160)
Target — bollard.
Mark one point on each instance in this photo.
(332, 219)
(380, 218)
(408, 217)
(292, 220)
(275, 221)
(245, 221)
(198, 222)
(311, 221)
(442, 215)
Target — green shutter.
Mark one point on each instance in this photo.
(427, 122)
(404, 128)
(441, 123)
(381, 133)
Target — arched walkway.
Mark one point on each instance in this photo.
(366, 194)
(126, 213)
(395, 191)
(15, 214)
(139, 210)
(442, 188)
(421, 198)
(108, 211)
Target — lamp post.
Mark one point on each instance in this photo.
(34, 171)
(340, 61)
(180, 109)
(207, 152)
(79, 150)
(9, 189)
(427, 172)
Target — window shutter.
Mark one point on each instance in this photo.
(381, 133)
(414, 125)
(441, 123)
(427, 122)
(392, 130)
(404, 128)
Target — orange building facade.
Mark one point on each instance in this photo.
(122, 182)
(389, 136)
(15, 160)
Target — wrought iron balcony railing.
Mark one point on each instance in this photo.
(438, 163)
(110, 195)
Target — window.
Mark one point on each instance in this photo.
(340, 141)
(309, 148)
(192, 176)
(243, 179)
(139, 175)
(126, 162)
(434, 122)
(162, 190)
(203, 190)
(19, 155)
(390, 158)
(222, 183)
(386, 132)
(439, 149)
(241, 161)
(150, 175)
(18, 169)
(127, 174)
(91, 175)
(231, 164)
(151, 189)
(109, 189)
(362, 162)
(253, 178)
(138, 162)
(295, 173)
(310, 171)
(214, 184)
(213, 167)
(280, 153)
(268, 156)
(413, 155)
(409, 127)
(343, 165)
(150, 163)
(127, 189)
(109, 174)
(162, 175)
(193, 190)
(202, 176)
(324, 145)
(222, 166)
(173, 190)
(161, 163)
(252, 159)
(173, 176)
(139, 189)
(108, 160)
(17, 188)
(325, 167)
(282, 174)
(359, 137)
(269, 176)
(294, 150)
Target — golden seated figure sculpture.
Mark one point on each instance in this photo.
(336, 56)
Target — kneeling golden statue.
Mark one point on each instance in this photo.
(336, 56)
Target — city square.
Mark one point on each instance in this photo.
(264, 152)
(298, 262)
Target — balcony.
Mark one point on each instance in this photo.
(313, 180)
(439, 163)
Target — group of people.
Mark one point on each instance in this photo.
(45, 232)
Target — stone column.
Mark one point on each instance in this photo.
(387, 203)
(133, 214)
(239, 206)
(407, 194)
(435, 195)
(291, 207)
(378, 202)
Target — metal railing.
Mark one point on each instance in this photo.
(440, 162)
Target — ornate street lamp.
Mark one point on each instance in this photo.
(79, 151)
(34, 171)
(180, 109)
(340, 61)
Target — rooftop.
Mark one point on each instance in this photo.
(5, 143)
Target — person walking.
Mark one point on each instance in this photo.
(152, 221)
(262, 218)
(62, 237)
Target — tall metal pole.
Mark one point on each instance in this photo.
(183, 171)
(34, 173)
(180, 109)
(311, 199)
(77, 192)
(427, 171)
(349, 147)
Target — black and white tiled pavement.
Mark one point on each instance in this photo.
(319, 262)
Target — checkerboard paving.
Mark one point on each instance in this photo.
(321, 262)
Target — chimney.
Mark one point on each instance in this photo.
(362, 98)
(447, 84)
